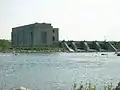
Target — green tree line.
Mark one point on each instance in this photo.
(5, 44)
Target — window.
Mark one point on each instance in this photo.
(31, 38)
(44, 37)
(53, 31)
(53, 38)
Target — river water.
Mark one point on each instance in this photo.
(57, 71)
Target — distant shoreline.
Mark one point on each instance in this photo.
(32, 51)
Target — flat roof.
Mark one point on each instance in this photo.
(31, 25)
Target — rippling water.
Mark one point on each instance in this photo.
(57, 71)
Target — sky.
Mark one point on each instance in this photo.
(76, 19)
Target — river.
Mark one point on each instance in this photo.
(57, 71)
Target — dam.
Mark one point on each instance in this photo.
(90, 46)
(45, 35)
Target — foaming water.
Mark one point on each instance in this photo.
(57, 71)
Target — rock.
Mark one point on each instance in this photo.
(21, 88)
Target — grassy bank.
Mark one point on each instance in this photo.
(38, 49)
(86, 86)
(89, 86)
(6, 46)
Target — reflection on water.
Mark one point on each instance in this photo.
(57, 71)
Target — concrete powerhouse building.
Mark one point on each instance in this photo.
(37, 34)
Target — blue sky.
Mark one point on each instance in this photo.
(76, 19)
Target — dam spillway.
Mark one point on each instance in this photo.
(90, 46)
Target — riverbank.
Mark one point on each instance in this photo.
(32, 50)
(86, 86)
(6, 47)
(90, 86)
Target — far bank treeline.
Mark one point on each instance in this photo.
(6, 45)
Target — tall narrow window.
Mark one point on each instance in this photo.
(53, 31)
(31, 33)
(44, 37)
(53, 38)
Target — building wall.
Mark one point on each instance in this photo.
(56, 35)
(21, 36)
(34, 35)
